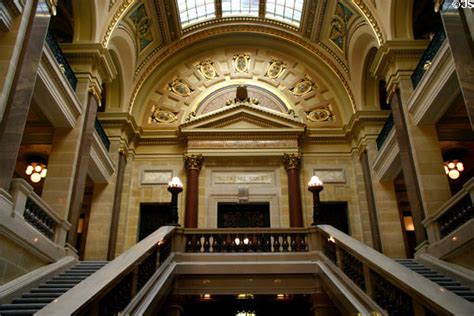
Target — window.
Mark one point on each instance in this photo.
(285, 10)
(240, 7)
(193, 11)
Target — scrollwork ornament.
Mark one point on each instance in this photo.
(241, 62)
(292, 161)
(180, 87)
(275, 68)
(207, 70)
(303, 86)
(193, 162)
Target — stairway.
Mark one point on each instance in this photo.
(436, 277)
(39, 297)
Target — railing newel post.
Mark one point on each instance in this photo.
(367, 280)
(339, 259)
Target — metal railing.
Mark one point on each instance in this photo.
(62, 61)
(428, 57)
(388, 126)
(101, 132)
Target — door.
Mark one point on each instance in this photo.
(335, 214)
(152, 217)
(243, 214)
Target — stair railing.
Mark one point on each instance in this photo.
(395, 288)
(109, 290)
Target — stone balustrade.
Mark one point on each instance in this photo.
(29, 206)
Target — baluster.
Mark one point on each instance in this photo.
(303, 243)
(260, 243)
(268, 243)
(294, 247)
(285, 244)
(276, 243)
(189, 243)
(207, 244)
(198, 244)
(254, 243)
(215, 243)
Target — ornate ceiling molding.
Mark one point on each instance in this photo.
(161, 55)
(362, 6)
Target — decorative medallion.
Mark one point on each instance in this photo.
(275, 68)
(303, 86)
(161, 116)
(180, 87)
(322, 114)
(207, 70)
(241, 62)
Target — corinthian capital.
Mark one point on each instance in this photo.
(193, 162)
(292, 161)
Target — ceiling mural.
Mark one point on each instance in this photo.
(339, 25)
(208, 83)
(142, 23)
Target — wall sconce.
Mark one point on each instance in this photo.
(315, 186)
(453, 168)
(36, 169)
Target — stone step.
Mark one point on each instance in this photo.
(19, 312)
(27, 306)
(56, 286)
(55, 290)
(68, 280)
(25, 300)
(41, 295)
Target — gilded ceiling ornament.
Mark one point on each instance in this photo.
(161, 116)
(242, 96)
(322, 114)
(292, 161)
(275, 68)
(207, 70)
(190, 116)
(180, 87)
(193, 162)
(241, 62)
(303, 86)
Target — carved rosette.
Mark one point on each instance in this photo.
(193, 162)
(292, 161)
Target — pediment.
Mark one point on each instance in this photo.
(243, 117)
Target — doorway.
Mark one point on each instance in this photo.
(335, 214)
(241, 215)
(152, 217)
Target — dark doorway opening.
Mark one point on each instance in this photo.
(335, 214)
(152, 217)
(243, 214)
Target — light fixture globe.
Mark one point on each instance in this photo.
(453, 169)
(35, 177)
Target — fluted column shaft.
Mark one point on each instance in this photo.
(193, 164)
(292, 166)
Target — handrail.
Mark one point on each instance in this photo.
(102, 135)
(428, 56)
(62, 61)
(246, 240)
(386, 129)
(109, 290)
(395, 288)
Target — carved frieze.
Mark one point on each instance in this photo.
(207, 70)
(180, 87)
(241, 62)
(292, 161)
(303, 86)
(193, 162)
(275, 68)
(156, 176)
(243, 178)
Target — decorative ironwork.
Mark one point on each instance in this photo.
(39, 219)
(428, 57)
(118, 298)
(391, 298)
(103, 136)
(62, 61)
(388, 126)
(246, 242)
(456, 216)
(353, 268)
(147, 268)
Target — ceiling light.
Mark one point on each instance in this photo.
(453, 169)
(36, 169)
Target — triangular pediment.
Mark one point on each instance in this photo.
(243, 117)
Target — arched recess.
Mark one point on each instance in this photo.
(122, 47)
(362, 48)
(223, 40)
(85, 27)
(401, 21)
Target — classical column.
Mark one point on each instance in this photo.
(408, 167)
(193, 164)
(122, 163)
(18, 105)
(292, 166)
(373, 218)
(82, 164)
(457, 24)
